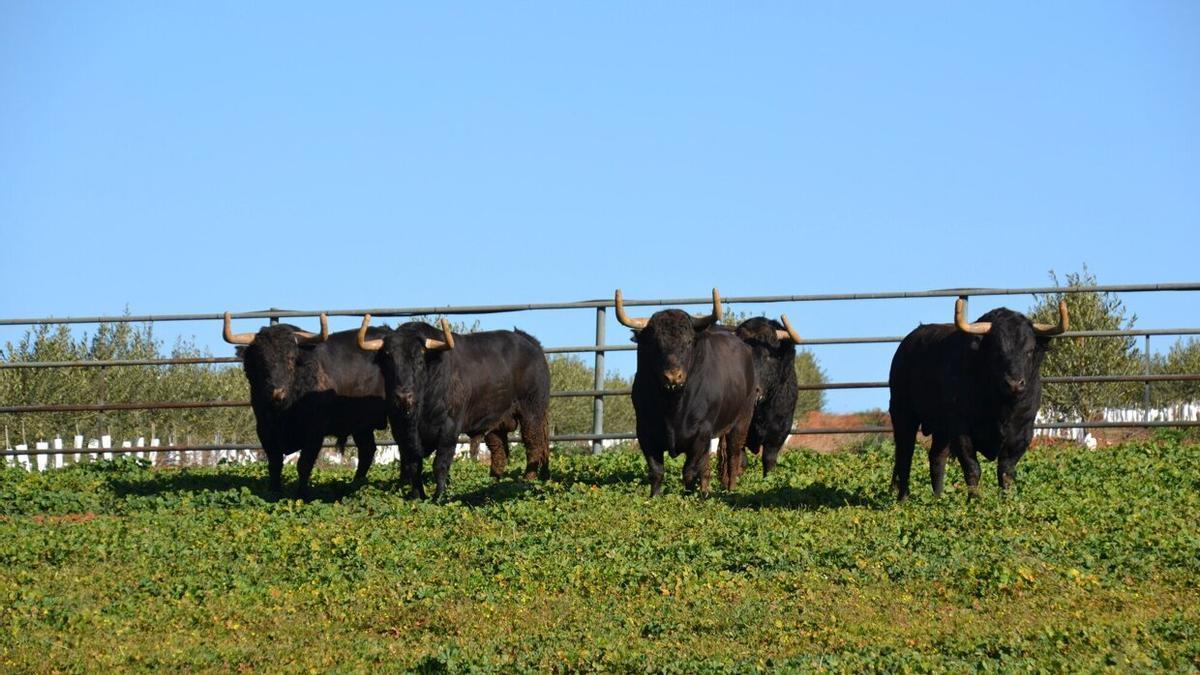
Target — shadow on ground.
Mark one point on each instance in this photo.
(187, 482)
(810, 497)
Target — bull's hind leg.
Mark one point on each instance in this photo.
(535, 435)
(965, 451)
(939, 452)
(904, 435)
(365, 440)
(731, 456)
(734, 457)
(497, 442)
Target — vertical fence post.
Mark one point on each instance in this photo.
(598, 383)
(1146, 395)
(102, 419)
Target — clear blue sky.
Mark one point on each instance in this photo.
(180, 157)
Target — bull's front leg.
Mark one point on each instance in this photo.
(654, 469)
(304, 467)
(275, 469)
(441, 469)
(696, 472)
(1006, 465)
(411, 468)
(273, 449)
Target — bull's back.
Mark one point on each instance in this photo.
(919, 392)
(497, 373)
(726, 381)
(349, 394)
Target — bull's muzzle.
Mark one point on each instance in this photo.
(278, 394)
(674, 378)
(405, 399)
(1016, 386)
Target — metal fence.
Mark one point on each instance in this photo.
(599, 348)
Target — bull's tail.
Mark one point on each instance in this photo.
(341, 445)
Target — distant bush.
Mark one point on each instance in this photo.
(573, 415)
(1182, 359)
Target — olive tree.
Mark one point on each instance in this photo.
(1087, 356)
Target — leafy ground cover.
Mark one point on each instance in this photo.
(1094, 564)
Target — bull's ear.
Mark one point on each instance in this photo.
(976, 340)
(241, 352)
(633, 338)
(1044, 342)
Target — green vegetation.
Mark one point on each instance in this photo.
(1093, 565)
(1091, 356)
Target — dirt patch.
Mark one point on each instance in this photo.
(840, 442)
(65, 518)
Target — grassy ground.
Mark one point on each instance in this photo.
(1095, 564)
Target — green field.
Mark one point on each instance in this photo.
(1094, 564)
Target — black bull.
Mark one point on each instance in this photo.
(440, 385)
(693, 384)
(974, 387)
(773, 345)
(304, 387)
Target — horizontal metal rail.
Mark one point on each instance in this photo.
(562, 438)
(102, 407)
(608, 302)
(571, 393)
(117, 363)
(212, 360)
(1064, 379)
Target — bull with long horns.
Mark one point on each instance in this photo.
(306, 386)
(692, 384)
(439, 385)
(973, 387)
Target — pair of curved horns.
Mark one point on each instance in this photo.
(430, 343)
(303, 337)
(789, 333)
(698, 322)
(982, 327)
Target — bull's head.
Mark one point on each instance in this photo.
(269, 357)
(1012, 346)
(666, 340)
(401, 355)
(773, 335)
